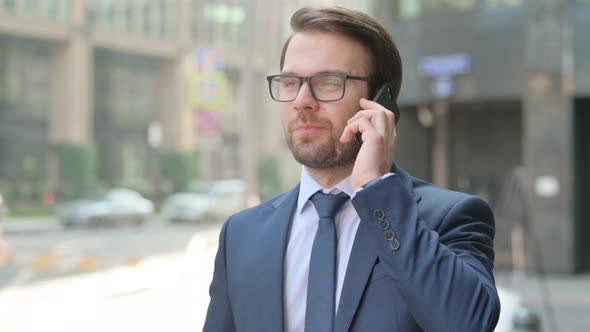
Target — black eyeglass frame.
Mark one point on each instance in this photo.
(303, 79)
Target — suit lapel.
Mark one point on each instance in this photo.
(274, 233)
(360, 264)
(363, 258)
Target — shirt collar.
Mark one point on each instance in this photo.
(308, 186)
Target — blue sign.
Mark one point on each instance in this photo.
(445, 65)
(208, 60)
(443, 87)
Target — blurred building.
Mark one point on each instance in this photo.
(94, 92)
(492, 85)
(489, 86)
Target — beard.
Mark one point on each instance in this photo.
(321, 152)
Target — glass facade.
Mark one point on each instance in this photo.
(58, 10)
(24, 76)
(218, 24)
(413, 8)
(125, 104)
(154, 19)
(24, 99)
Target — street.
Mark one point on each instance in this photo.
(155, 277)
(149, 278)
(62, 252)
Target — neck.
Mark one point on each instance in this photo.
(329, 177)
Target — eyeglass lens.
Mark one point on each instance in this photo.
(324, 87)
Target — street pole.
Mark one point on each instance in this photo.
(440, 144)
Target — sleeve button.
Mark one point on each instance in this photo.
(379, 214)
(389, 235)
(394, 244)
(383, 224)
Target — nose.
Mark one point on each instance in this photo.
(305, 99)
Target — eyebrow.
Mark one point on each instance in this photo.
(338, 72)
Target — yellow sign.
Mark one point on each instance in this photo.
(208, 91)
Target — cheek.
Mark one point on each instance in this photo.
(286, 116)
(344, 113)
(353, 102)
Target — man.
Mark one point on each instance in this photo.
(409, 256)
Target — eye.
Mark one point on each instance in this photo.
(329, 82)
(289, 82)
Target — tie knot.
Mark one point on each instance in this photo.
(328, 204)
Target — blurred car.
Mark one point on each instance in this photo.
(206, 201)
(3, 209)
(4, 250)
(186, 207)
(227, 197)
(190, 206)
(114, 206)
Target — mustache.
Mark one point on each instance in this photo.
(306, 118)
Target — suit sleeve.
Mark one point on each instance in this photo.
(444, 274)
(219, 314)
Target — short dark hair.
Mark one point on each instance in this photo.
(385, 63)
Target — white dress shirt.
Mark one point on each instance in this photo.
(303, 228)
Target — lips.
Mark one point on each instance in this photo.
(308, 129)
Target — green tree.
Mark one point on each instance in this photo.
(177, 169)
(269, 178)
(77, 167)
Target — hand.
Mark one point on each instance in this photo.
(377, 125)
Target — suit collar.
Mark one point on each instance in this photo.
(309, 186)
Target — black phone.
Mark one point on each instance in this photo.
(384, 97)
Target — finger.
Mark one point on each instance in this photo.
(356, 116)
(369, 104)
(360, 125)
(365, 105)
(390, 122)
(380, 121)
(347, 134)
(350, 130)
(390, 116)
(377, 121)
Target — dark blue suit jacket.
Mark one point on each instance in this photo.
(439, 279)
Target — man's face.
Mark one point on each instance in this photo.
(312, 128)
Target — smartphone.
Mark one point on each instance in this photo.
(384, 97)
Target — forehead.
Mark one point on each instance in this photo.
(316, 52)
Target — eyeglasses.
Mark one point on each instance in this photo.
(323, 87)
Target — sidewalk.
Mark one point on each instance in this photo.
(561, 301)
(162, 293)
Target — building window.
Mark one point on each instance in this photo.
(500, 3)
(32, 8)
(433, 6)
(224, 24)
(413, 8)
(8, 5)
(24, 77)
(409, 8)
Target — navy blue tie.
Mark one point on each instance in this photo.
(321, 287)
